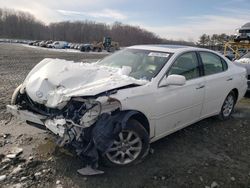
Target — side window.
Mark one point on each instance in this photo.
(186, 65)
(212, 63)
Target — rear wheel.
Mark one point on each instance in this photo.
(228, 106)
(129, 147)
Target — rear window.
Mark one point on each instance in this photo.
(212, 63)
(244, 31)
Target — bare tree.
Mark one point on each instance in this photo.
(22, 25)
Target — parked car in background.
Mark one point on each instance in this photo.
(49, 44)
(116, 107)
(69, 45)
(31, 43)
(77, 46)
(43, 44)
(59, 44)
(86, 47)
(244, 61)
(72, 46)
(34, 43)
(243, 33)
(37, 43)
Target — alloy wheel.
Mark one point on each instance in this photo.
(126, 148)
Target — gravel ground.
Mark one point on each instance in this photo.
(210, 153)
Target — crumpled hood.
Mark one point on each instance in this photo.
(53, 82)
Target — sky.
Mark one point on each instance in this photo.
(171, 19)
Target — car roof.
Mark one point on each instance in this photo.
(165, 48)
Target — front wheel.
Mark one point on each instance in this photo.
(131, 145)
(228, 106)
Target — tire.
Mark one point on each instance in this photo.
(82, 49)
(228, 106)
(133, 151)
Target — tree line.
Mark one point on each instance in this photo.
(214, 41)
(22, 25)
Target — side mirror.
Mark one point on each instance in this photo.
(173, 79)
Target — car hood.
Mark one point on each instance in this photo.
(53, 82)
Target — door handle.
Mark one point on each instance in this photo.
(200, 87)
(230, 79)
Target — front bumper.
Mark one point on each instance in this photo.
(24, 115)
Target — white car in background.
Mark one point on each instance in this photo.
(243, 33)
(244, 61)
(59, 45)
(116, 107)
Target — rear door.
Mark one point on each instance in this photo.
(217, 82)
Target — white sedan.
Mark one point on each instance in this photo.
(116, 107)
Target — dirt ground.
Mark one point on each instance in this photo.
(210, 153)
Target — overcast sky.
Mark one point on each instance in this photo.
(171, 19)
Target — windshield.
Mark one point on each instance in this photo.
(144, 64)
(244, 31)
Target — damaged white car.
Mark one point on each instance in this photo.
(116, 107)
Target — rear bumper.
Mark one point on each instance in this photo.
(25, 115)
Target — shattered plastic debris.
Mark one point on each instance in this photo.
(3, 177)
(17, 169)
(14, 153)
(89, 171)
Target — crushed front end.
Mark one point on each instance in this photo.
(88, 124)
(74, 101)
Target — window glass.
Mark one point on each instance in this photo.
(224, 63)
(144, 64)
(186, 65)
(212, 63)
